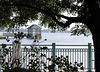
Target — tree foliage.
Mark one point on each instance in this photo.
(16, 13)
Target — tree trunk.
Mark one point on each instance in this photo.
(96, 41)
(94, 26)
(16, 55)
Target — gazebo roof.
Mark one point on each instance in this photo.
(34, 26)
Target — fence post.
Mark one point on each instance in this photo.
(89, 57)
(53, 54)
(53, 50)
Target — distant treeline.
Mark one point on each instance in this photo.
(45, 31)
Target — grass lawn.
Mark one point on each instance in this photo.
(2, 37)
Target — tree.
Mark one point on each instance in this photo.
(16, 13)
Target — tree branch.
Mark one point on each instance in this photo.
(51, 14)
(78, 19)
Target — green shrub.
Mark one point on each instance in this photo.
(36, 61)
(63, 65)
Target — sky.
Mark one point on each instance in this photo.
(29, 23)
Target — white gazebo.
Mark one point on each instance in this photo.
(34, 31)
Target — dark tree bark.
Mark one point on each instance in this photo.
(94, 26)
(96, 41)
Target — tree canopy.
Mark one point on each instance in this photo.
(16, 13)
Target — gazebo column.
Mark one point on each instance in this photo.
(40, 34)
(36, 30)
